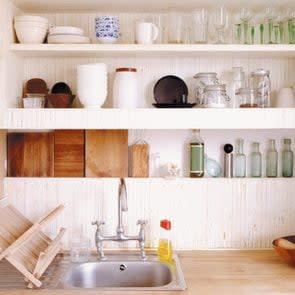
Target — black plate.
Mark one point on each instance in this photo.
(170, 90)
(173, 105)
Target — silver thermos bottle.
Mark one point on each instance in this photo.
(228, 160)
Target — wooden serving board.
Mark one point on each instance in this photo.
(106, 153)
(139, 159)
(69, 153)
(30, 154)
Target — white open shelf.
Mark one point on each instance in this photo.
(150, 119)
(88, 50)
(135, 5)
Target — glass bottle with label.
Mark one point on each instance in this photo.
(272, 160)
(256, 161)
(240, 160)
(197, 157)
(287, 159)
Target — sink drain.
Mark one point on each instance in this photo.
(122, 267)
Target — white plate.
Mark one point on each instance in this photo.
(67, 39)
(65, 30)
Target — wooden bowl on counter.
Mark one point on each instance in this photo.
(60, 100)
(285, 247)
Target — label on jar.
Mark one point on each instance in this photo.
(196, 157)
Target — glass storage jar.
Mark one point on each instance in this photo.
(247, 97)
(203, 80)
(215, 96)
(260, 80)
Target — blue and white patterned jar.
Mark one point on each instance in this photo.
(107, 29)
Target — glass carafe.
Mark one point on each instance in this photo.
(287, 159)
(240, 160)
(272, 160)
(256, 161)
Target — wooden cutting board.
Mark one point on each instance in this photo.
(139, 160)
(106, 153)
(69, 153)
(30, 154)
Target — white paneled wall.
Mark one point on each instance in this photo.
(206, 213)
(171, 145)
(53, 70)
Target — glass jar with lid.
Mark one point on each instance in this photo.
(248, 97)
(203, 80)
(215, 96)
(259, 79)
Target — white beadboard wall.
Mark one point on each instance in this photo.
(171, 145)
(150, 69)
(206, 213)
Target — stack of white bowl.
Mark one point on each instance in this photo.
(31, 29)
(67, 35)
(92, 84)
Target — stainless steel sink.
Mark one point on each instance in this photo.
(125, 272)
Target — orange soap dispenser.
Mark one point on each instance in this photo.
(165, 251)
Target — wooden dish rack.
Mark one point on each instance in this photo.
(24, 244)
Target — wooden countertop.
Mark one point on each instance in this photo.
(218, 272)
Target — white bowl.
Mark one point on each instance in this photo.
(31, 18)
(29, 35)
(65, 30)
(34, 102)
(31, 25)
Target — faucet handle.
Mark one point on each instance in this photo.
(99, 223)
(142, 222)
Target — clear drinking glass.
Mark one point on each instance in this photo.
(287, 159)
(220, 22)
(256, 161)
(272, 160)
(240, 160)
(175, 27)
(80, 250)
(200, 26)
(237, 82)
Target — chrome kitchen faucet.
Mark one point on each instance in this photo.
(120, 233)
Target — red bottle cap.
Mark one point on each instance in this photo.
(166, 224)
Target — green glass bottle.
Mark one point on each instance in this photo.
(287, 159)
(272, 160)
(197, 155)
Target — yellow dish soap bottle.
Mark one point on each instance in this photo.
(165, 251)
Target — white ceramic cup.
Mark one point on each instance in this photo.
(285, 98)
(92, 84)
(146, 33)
